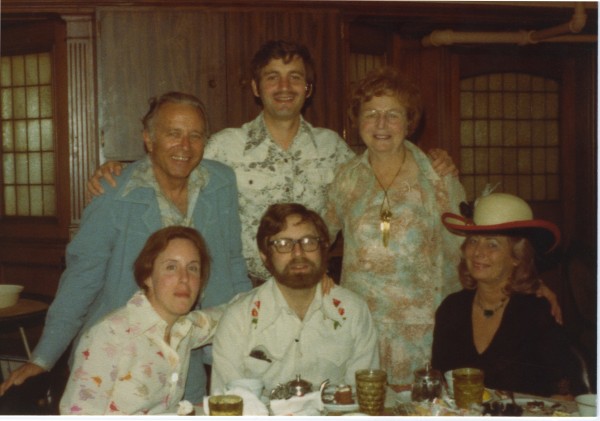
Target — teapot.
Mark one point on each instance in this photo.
(299, 386)
(427, 384)
(295, 387)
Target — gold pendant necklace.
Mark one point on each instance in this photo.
(385, 212)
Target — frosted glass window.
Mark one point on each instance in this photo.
(510, 134)
(28, 153)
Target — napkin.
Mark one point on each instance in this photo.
(252, 404)
(309, 404)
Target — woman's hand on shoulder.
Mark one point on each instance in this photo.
(327, 284)
(544, 292)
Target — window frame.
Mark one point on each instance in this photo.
(27, 36)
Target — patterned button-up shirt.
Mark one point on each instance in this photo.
(124, 366)
(267, 174)
(169, 213)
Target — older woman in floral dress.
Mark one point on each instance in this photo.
(388, 202)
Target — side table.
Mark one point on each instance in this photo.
(30, 310)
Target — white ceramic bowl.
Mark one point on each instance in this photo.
(586, 404)
(9, 295)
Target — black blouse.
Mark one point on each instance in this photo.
(529, 353)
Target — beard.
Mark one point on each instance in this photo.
(304, 280)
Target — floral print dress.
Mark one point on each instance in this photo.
(405, 282)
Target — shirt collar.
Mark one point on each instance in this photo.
(144, 318)
(269, 304)
(420, 157)
(258, 134)
(143, 177)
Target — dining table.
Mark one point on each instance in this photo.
(398, 399)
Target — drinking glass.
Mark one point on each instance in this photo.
(225, 405)
(370, 390)
(468, 386)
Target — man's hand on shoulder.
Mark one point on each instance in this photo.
(108, 171)
(442, 162)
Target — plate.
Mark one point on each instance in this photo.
(334, 407)
(548, 407)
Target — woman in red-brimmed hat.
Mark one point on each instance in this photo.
(497, 323)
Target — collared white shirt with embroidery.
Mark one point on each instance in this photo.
(124, 366)
(266, 174)
(336, 338)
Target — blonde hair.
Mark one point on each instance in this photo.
(524, 278)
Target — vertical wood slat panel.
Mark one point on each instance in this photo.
(83, 150)
(145, 53)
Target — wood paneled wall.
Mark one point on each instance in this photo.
(144, 53)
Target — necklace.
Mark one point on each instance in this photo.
(489, 312)
(385, 213)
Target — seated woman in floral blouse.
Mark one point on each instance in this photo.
(135, 360)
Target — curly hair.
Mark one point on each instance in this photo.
(387, 81)
(524, 278)
(158, 242)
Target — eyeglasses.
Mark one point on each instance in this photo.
(390, 116)
(286, 245)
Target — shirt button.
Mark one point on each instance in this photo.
(174, 377)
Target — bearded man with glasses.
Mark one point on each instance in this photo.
(287, 326)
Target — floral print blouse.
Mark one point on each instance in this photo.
(404, 283)
(267, 174)
(124, 366)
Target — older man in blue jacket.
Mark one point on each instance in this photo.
(172, 185)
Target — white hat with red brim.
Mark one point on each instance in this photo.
(505, 214)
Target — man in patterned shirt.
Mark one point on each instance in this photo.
(279, 156)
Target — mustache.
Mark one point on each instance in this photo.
(300, 260)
